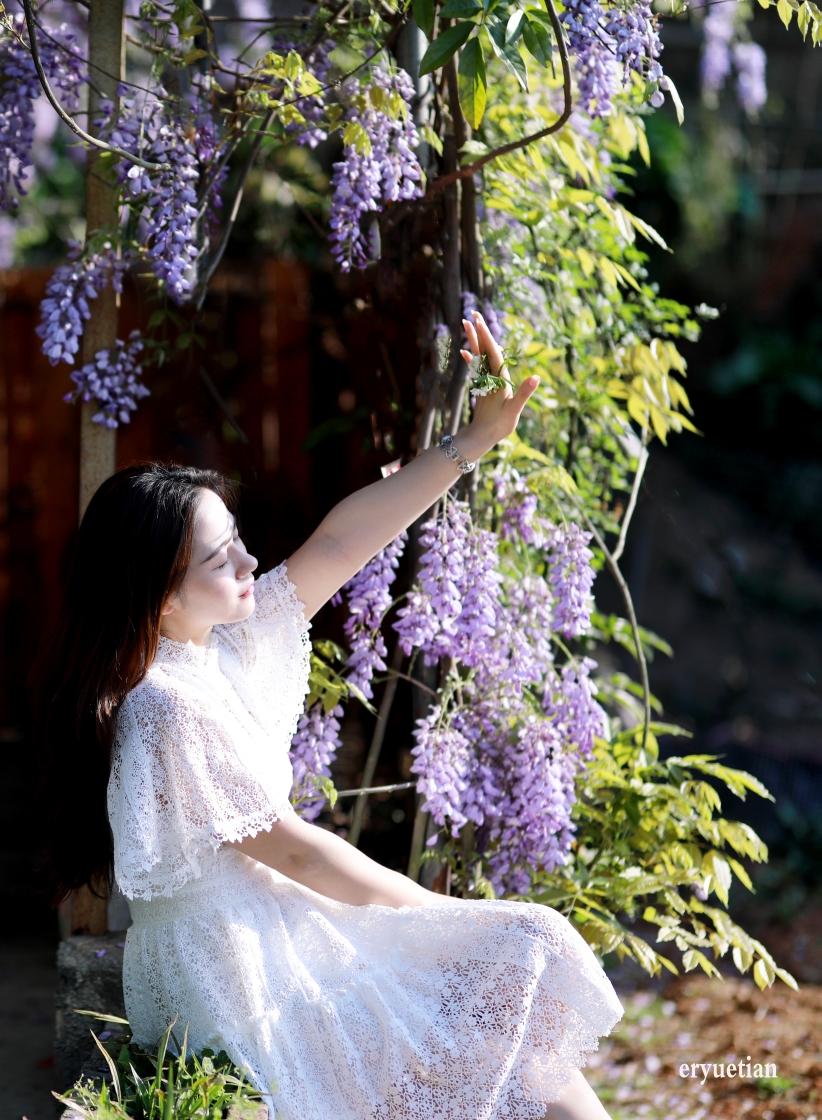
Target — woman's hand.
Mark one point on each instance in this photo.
(370, 519)
(497, 414)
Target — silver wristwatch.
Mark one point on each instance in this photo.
(450, 449)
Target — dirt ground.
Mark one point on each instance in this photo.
(28, 974)
(637, 1071)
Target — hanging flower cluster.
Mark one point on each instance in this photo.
(722, 50)
(313, 749)
(166, 201)
(113, 381)
(571, 578)
(519, 509)
(65, 308)
(317, 741)
(20, 88)
(605, 42)
(379, 164)
(369, 600)
(484, 753)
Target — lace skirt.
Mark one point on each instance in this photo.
(460, 1010)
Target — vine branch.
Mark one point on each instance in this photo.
(235, 209)
(629, 513)
(63, 115)
(472, 168)
(375, 747)
(613, 567)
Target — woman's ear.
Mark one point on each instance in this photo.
(169, 608)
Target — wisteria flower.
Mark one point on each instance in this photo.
(571, 578)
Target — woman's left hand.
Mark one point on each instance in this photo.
(497, 414)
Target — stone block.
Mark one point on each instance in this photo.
(89, 977)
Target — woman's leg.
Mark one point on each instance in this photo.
(578, 1102)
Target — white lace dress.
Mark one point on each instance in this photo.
(460, 1010)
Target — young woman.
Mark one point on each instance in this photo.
(170, 696)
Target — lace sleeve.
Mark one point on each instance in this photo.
(277, 602)
(177, 791)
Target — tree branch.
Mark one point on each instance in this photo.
(629, 513)
(613, 567)
(376, 745)
(232, 218)
(473, 168)
(375, 789)
(64, 116)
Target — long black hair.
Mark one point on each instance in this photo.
(131, 555)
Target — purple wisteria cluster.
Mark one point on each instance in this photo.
(20, 88)
(519, 519)
(313, 749)
(370, 175)
(503, 745)
(722, 50)
(636, 43)
(166, 201)
(65, 308)
(113, 381)
(317, 741)
(483, 754)
(455, 562)
(571, 577)
(596, 72)
(751, 88)
(369, 599)
(607, 44)
(531, 826)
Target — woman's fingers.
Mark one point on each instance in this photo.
(471, 334)
(488, 344)
(526, 390)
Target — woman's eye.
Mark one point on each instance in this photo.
(223, 565)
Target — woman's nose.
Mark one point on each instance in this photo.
(249, 563)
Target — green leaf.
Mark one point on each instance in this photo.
(472, 83)
(677, 100)
(784, 975)
(115, 1073)
(445, 47)
(355, 136)
(538, 41)
(428, 134)
(103, 1018)
(764, 974)
(193, 56)
(507, 53)
(460, 9)
(424, 16)
(513, 28)
(346, 58)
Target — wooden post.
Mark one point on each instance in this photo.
(84, 912)
(98, 445)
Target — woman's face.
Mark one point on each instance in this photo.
(218, 586)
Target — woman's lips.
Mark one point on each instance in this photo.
(248, 591)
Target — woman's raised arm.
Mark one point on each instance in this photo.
(368, 520)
